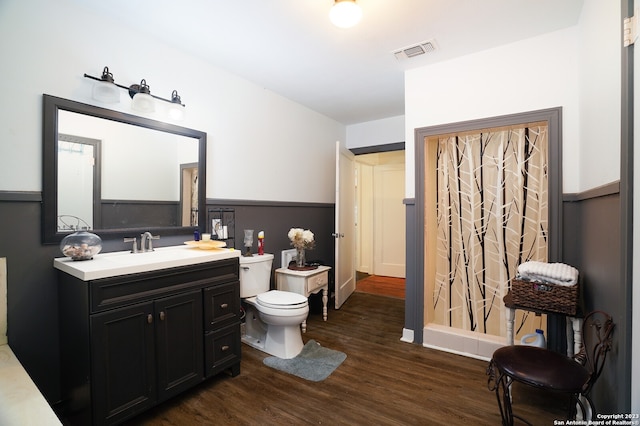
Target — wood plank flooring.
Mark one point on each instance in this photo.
(383, 286)
(383, 381)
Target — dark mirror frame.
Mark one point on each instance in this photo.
(52, 105)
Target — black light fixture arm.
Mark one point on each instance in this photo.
(134, 88)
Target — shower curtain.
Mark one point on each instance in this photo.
(491, 189)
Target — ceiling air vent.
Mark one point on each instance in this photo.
(415, 50)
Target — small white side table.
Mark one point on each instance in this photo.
(573, 324)
(305, 283)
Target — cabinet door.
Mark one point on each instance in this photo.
(179, 344)
(123, 365)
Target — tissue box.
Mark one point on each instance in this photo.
(546, 296)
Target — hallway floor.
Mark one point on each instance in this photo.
(382, 286)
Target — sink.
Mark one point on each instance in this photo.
(105, 265)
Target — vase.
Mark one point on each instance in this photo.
(81, 245)
(300, 260)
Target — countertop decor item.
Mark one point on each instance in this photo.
(248, 242)
(81, 245)
(207, 245)
(301, 240)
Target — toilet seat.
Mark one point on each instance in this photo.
(277, 299)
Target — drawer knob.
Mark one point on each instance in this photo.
(224, 306)
(161, 315)
(150, 319)
(225, 348)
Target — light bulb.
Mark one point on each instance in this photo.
(345, 13)
(143, 103)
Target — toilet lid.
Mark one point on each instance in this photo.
(281, 299)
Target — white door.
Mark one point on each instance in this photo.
(345, 231)
(389, 221)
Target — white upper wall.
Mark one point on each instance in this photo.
(377, 132)
(257, 140)
(533, 74)
(577, 69)
(600, 88)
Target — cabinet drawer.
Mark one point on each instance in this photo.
(221, 305)
(317, 281)
(107, 293)
(222, 349)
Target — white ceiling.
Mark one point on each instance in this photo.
(350, 75)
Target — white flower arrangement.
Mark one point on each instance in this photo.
(301, 238)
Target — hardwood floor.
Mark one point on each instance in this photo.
(383, 286)
(383, 381)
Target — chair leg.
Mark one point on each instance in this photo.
(502, 387)
(587, 409)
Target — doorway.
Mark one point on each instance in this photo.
(188, 213)
(421, 312)
(79, 183)
(380, 223)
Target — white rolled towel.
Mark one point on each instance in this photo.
(555, 273)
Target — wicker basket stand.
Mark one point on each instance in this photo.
(546, 296)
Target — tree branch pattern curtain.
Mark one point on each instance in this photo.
(491, 216)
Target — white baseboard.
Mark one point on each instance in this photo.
(407, 335)
(461, 342)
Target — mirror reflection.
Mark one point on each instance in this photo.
(136, 166)
(115, 173)
(78, 177)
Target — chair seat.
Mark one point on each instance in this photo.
(541, 368)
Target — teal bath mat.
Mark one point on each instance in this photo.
(313, 363)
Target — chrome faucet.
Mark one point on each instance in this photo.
(133, 240)
(146, 241)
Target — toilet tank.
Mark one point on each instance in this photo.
(255, 274)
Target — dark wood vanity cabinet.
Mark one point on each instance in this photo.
(221, 313)
(131, 342)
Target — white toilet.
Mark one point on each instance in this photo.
(273, 318)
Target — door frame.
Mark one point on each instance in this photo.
(374, 149)
(96, 200)
(415, 297)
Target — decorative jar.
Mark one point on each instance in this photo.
(81, 245)
(300, 258)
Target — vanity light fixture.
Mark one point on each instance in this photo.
(142, 99)
(106, 90)
(345, 13)
(176, 109)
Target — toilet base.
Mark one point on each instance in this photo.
(283, 341)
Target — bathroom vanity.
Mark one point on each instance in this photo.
(137, 329)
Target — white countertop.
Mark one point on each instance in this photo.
(105, 265)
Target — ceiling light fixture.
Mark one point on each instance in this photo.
(345, 13)
(106, 90)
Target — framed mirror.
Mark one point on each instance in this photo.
(119, 175)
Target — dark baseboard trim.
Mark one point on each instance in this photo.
(260, 203)
(26, 196)
(601, 191)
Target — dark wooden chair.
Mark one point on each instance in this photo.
(545, 369)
